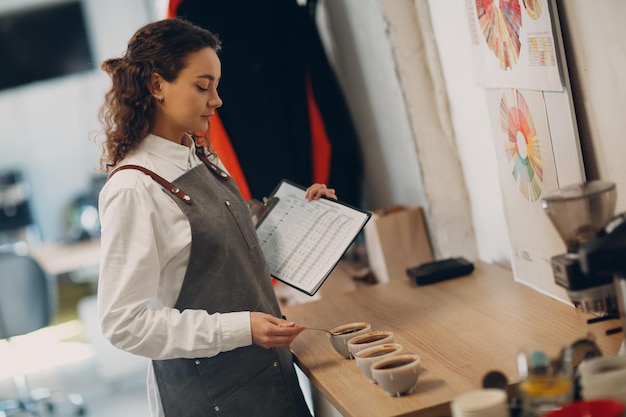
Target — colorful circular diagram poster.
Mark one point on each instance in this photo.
(528, 171)
(523, 147)
(514, 44)
(500, 23)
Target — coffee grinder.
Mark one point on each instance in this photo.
(593, 270)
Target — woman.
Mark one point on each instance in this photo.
(183, 280)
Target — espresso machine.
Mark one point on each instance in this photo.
(593, 270)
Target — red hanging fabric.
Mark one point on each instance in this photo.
(225, 151)
(320, 144)
(171, 8)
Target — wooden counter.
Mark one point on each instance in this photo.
(62, 258)
(461, 328)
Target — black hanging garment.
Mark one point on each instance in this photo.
(270, 51)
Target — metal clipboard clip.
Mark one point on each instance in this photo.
(260, 210)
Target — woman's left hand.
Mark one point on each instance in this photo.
(316, 191)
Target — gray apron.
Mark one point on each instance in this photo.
(226, 273)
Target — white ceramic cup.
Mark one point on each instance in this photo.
(366, 357)
(603, 371)
(603, 377)
(617, 393)
(481, 402)
(397, 374)
(366, 340)
(341, 335)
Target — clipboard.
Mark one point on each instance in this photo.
(304, 240)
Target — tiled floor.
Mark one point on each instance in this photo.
(57, 359)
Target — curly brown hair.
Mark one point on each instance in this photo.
(128, 110)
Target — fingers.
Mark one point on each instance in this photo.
(316, 191)
(269, 331)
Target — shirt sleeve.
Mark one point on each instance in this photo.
(131, 308)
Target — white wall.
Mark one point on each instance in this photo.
(402, 119)
(595, 42)
(355, 34)
(472, 129)
(46, 126)
(597, 60)
(597, 55)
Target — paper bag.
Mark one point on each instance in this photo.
(396, 239)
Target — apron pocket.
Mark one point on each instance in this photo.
(247, 381)
(265, 395)
(241, 214)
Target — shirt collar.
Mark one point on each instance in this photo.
(177, 154)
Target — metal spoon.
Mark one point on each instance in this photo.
(322, 330)
(335, 333)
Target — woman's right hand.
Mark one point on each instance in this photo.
(269, 331)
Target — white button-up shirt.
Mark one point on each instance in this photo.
(146, 241)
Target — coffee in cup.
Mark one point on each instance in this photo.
(341, 334)
(366, 340)
(397, 374)
(366, 357)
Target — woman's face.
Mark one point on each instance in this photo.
(187, 103)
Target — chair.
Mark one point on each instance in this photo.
(26, 306)
(17, 226)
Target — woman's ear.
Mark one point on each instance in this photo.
(156, 86)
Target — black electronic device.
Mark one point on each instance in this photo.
(435, 271)
(43, 42)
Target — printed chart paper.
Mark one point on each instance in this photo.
(514, 44)
(528, 171)
(304, 240)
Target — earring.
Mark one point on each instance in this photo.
(160, 100)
